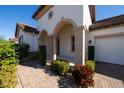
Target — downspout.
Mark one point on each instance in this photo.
(83, 46)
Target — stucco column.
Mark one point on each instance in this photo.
(78, 44)
(54, 47)
(51, 46)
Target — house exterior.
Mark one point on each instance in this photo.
(68, 31)
(62, 30)
(28, 35)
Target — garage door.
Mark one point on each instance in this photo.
(110, 49)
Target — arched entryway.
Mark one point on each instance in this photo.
(64, 34)
(65, 44)
(44, 41)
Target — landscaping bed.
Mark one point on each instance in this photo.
(80, 76)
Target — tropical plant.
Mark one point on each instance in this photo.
(83, 76)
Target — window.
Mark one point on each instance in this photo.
(20, 39)
(72, 43)
(50, 14)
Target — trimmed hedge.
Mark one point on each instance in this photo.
(90, 64)
(42, 55)
(61, 67)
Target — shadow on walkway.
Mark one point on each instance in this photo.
(63, 81)
(36, 65)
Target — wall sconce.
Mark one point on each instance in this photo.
(90, 41)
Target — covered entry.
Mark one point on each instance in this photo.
(68, 41)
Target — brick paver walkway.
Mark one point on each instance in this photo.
(33, 75)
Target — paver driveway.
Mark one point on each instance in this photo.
(33, 75)
(109, 75)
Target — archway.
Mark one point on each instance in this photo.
(65, 39)
(43, 40)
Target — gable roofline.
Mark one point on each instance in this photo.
(26, 28)
(42, 9)
(38, 10)
(92, 9)
(112, 21)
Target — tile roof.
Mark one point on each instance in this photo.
(38, 10)
(92, 9)
(26, 28)
(116, 20)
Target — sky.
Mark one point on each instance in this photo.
(106, 11)
(9, 15)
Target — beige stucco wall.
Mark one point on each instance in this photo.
(74, 12)
(29, 39)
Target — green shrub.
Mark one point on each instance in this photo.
(7, 53)
(90, 64)
(22, 51)
(42, 55)
(8, 61)
(83, 76)
(8, 78)
(61, 67)
(6, 50)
